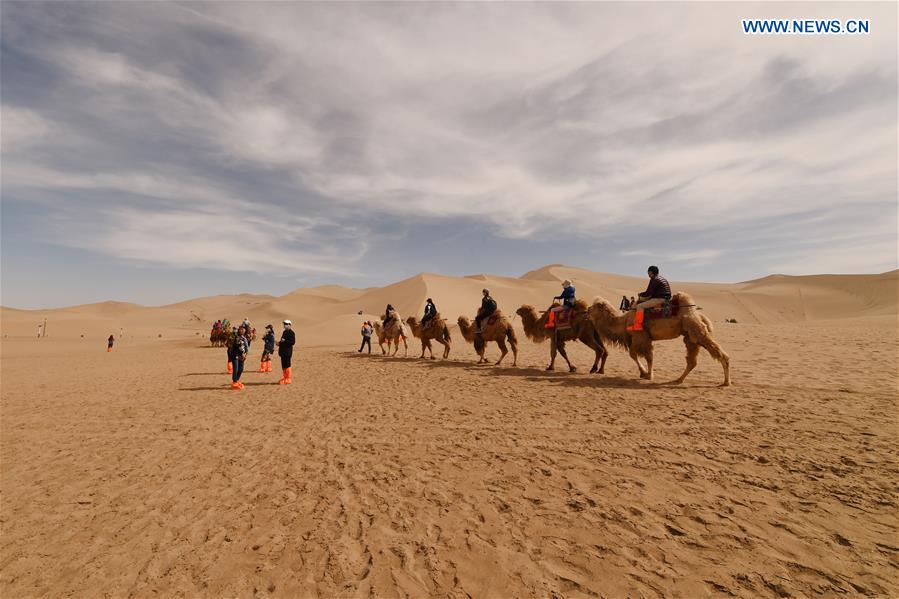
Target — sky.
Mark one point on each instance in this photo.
(157, 151)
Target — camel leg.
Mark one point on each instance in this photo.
(716, 352)
(431, 350)
(502, 347)
(635, 356)
(514, 345)
(647, 353)
(692, 354)
(405, 348)
(600, 353)
(561, 346)
(552, 354)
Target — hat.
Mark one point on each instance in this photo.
(268, 326)
(287, 322)
(566, 283)
(487, 291)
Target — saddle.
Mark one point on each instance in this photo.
(636, 319)
(560, 318)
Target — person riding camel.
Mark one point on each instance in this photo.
(488, 307)
(430, 313)
(389, 315)
(567, 298)
(657, 293)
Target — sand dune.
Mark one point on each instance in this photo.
(322, 313)
(139, 472)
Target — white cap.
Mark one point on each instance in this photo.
(566, 283)
(287, 322)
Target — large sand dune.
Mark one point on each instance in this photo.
(139, 473)
(322, 314)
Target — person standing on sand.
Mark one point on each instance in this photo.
(268, 349)
(228, 349)
(239, 350)
(625, 303)
(366, 336)
(285, 351)
(109, 343)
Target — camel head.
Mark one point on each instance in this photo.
(533, 323)
(466, 328)
(413, 324)
(603, 311)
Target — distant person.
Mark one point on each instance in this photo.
(38, 331)
(240, 347)
(430, 313)
(367, 330)
(268, 349)
(285, 352)
(488, 307)
(632, 303)
(625, 304)
(109, 343)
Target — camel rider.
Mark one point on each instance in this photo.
(430, 313)
(657, 293)
(389, 315)
(488, 307)
(567, 298)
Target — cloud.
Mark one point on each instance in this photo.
(310, 133)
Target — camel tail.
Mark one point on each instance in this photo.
(510, 335)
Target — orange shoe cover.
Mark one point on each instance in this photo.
(286, 380)
(236, 385)
(262, 367)
(230, 368)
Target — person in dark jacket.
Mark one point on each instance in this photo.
(430, 313)
(389, 315)
(488, 307)
(657, 292)
(239, 349)
(285, 351)
(109, 343)
(567, 296)
(268, 349)
(625, 304)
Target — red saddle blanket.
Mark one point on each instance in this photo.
(492, 318)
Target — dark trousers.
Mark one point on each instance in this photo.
(365, 341)
(238, 369)
(285, 361)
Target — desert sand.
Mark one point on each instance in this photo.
(140, 473)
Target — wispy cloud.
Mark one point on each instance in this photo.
(300, 137)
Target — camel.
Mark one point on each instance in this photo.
(438, 331)
(695, 328)
(500, 331)
(392, 334)
(582, 330)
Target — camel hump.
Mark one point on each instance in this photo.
(580, 305)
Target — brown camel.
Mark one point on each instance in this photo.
(695, 328)
(392, 334)
(500, 331)
(581, 329)
(438, 331)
